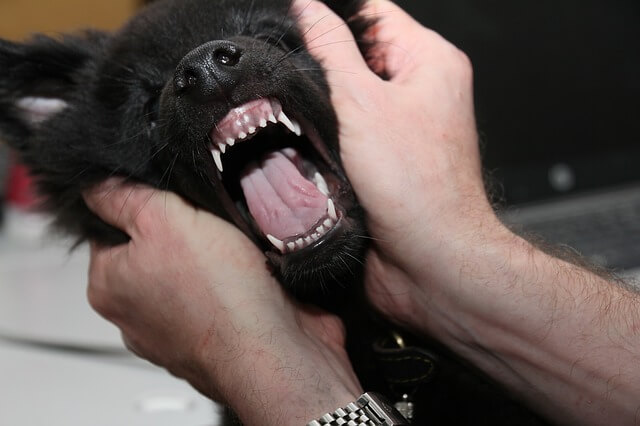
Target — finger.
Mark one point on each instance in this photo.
(104, 262)
(330, 41)
(402, 44)
(131, 347)
(119, 203)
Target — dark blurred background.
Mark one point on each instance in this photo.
(556, 82)
(557, 88)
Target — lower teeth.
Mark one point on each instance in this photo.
(303, 242)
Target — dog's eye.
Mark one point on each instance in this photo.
(151, 112)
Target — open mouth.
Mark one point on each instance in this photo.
(278, 176)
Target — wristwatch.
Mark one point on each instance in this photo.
(370, 409)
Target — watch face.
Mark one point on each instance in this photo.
(382, 410)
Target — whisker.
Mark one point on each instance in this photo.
(324, 69)
(346, 264)
(166, 188)
(367, 237)
(346, 253)
(168, 172)
(153, 192)
(249, 17)
(303, 45)
(284, 18)
(125, 203)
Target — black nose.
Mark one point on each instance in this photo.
(209, 70)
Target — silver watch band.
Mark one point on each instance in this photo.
(369, 410)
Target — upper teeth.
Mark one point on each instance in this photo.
(217, 158)
(244, 121)
(292, 244)
(321, 184)
(331, 210)
(282, 117)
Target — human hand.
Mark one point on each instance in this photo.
(410, 148)
(441, 261)
(192, 294)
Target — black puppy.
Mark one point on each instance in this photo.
(215, 100)
(219, 101)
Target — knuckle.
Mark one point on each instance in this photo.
(100, 292)
(96, 295)
(464, 64)
(145, 222)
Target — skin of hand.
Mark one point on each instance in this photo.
(409, 146)
(564, 339)
(191, 293)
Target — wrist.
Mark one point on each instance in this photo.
(282, 377)
(543, 326)
(442, 275)
(476, 275)
(290, 390)
(540, 325)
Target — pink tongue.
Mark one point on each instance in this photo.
(282, 202)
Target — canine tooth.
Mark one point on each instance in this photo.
(297, 128)
(291, 246)
(222, 147)
(252, 130)
(263, 122)
(230, 141)
(285, 120)
(321, 184)
(242, 135)
(272, 118)
(300, 243)
(328, 223)
(217, 158)
(331, 209)
(276, 242)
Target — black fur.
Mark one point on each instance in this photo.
(126, 116)
(125, 119)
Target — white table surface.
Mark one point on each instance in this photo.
(46, 323)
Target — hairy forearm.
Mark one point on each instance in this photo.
(564, 338)
(282, 378)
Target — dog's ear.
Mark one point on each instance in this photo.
(40, 78)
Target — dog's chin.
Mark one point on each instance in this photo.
(326, 271)
(279, 182)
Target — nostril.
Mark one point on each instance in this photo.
(208, 70)
(185, 79)
(190, 77)
(228, 55)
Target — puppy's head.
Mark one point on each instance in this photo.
(217, 100)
